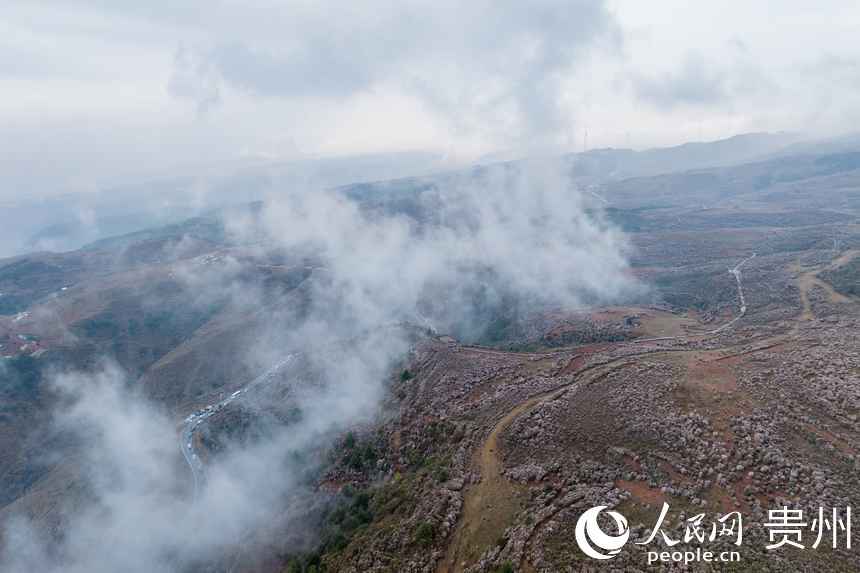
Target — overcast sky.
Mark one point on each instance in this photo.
(92, 89)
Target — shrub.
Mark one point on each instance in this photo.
(354, 460)
(424, 534)
(349, 441)
(369, 453)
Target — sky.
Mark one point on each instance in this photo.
(98, 90)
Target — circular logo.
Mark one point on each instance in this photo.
(592, 539)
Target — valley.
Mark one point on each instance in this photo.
(727, 382)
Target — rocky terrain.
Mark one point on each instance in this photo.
(495, 455)
(713, 391)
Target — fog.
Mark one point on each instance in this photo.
(146, 111)
(122, 116)
(143, 91)
(524, 234)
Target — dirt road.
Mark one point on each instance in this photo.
(491, 505)
(809, 279)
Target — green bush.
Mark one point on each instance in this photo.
(21, 377)
(424, 534)
(440, 474)
(349, 441)
(343, 523)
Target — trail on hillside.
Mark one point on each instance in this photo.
(490, 505)
(487, 507)
(809, 279)
(742, 308)
(736, 272)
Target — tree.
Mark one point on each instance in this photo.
(424, 534)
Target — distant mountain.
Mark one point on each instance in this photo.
(623, 163)
(66, 222)
(829, 145)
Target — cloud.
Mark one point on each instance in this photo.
(194, 80)
(502, 233)
(312, 72)
(524, 225)
(472, 65)
(695, 82)
(139, 89)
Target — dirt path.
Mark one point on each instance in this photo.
(742, 306)
(809, 279)
(492, 504)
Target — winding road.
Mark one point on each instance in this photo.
(193, 421)
(736, 272)
(810, 279)
(481, 507)
(486, 497)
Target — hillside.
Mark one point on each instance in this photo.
(709, 389)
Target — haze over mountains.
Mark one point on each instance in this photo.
(428, 287)
(53, 220)
(291, 319)
(68, 221)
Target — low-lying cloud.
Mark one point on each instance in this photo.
(503, 232)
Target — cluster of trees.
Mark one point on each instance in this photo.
(359, 456)
(351, 515)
